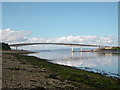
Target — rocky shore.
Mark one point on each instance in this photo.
(20, 74)
(19, 71)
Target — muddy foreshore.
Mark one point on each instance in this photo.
(29, 72)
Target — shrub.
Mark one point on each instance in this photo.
(4, 46)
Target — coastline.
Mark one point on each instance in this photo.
(17, 51)
(34, 72)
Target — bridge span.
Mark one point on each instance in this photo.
(66, 44)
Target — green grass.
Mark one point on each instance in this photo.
(116, 48)
(76, 76)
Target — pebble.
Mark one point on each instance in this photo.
(32, 80)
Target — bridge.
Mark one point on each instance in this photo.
(66, 44)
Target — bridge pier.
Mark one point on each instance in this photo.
(81, 48)
(16, 47)
(72, 49)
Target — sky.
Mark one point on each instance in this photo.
(75, 22)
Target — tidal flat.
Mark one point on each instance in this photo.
(21, 71)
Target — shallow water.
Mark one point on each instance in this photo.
(101, 62)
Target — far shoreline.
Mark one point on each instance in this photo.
(18, 51)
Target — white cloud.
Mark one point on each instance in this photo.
(100, 40)
(36, 40)
(10, 36)
(13, 36)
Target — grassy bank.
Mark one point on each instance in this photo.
(78, 78)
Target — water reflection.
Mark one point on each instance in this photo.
(72, 54)
(95, 61)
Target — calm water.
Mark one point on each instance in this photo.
(104, 63)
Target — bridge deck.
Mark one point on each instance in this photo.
(66, 44)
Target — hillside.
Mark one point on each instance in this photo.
(4, 46)
(108, 49)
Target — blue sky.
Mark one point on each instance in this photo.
(51, 20)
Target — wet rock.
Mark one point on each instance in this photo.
(53, 76)
(86, 76)
(24, 69)
(18, 58)
(9, 57)
(4, 61)
(17, 69)
(33, 80)
(43, 70)
(38, 88)
(22, 63)
(5, 68)
(30, 71)
(13, 68)
(35, 67)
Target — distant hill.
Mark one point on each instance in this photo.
(108, 49)
(4, 46)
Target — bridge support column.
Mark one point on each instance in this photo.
(72, 54)
(16, 47)
(72, 49)
(81, 49)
